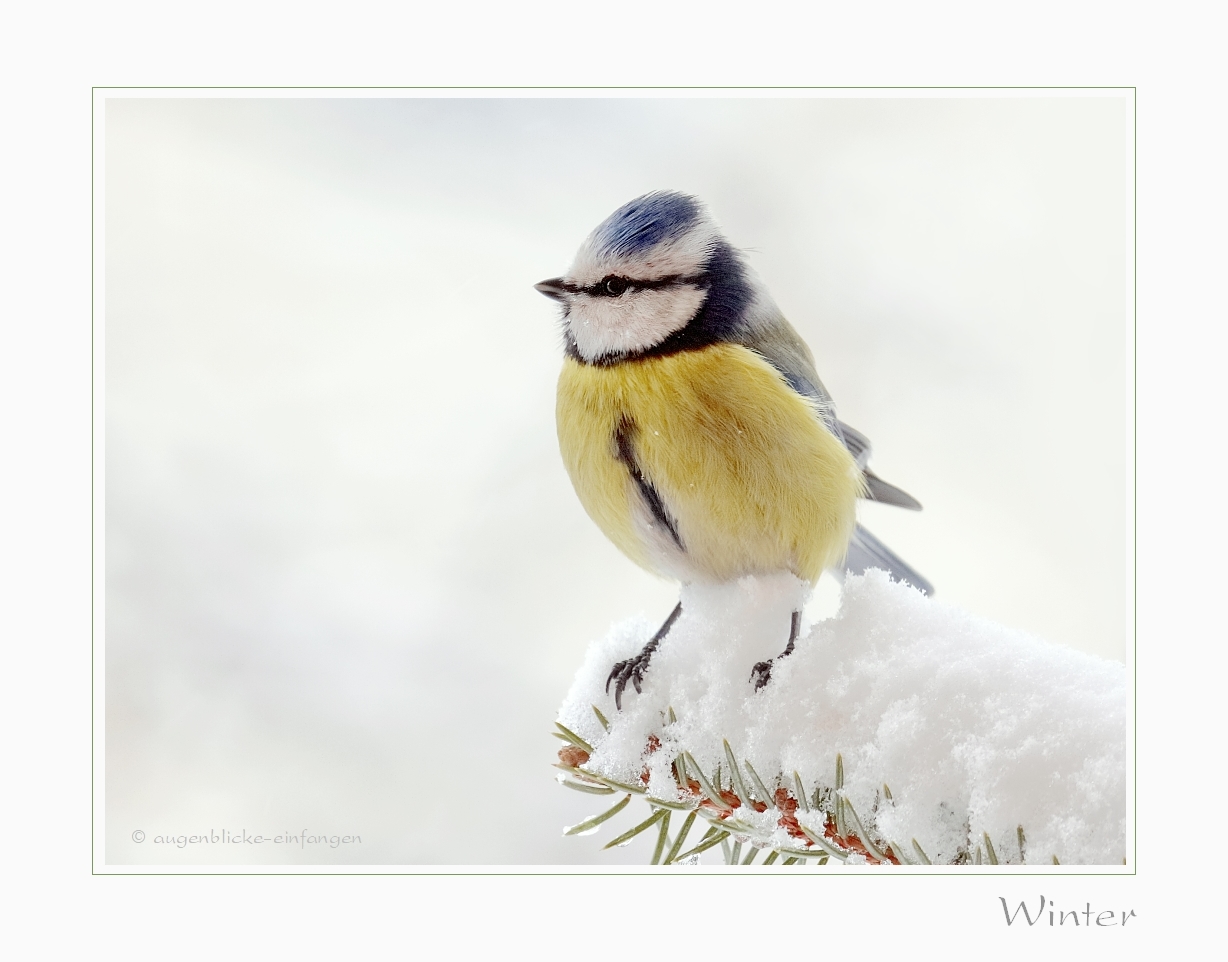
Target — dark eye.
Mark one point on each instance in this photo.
(614, 286)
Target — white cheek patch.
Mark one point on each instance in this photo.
(636, 321)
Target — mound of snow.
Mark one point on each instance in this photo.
(974, 726)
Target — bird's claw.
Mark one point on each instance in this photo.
(761, 674)
(630, 670)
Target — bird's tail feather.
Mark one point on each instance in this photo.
(866, 551)
(879, 490)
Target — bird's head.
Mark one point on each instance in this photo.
(655, 272)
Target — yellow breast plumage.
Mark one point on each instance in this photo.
(748, 477)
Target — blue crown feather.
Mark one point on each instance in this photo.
(645, 222)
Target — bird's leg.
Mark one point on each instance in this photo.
(761, 674)
(632, 669)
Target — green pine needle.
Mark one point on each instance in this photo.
(570, 736)
(863, 834)
(625, 837)
(767, 797)
(825, 845)
(618, 786)
(801, 792)
(596, 820)
(739, 787)
(682, 833)
(662, 838)
(591, 789)
(704, 845)
(711, 792)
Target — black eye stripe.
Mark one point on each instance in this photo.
(603, 287)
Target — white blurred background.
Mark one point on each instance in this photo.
(347, 583)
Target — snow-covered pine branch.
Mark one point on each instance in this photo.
(996, 746)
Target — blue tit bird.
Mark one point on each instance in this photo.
(692, 422)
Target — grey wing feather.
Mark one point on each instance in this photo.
(774, 339)
(857, 443)
(782, 347)
(876, 488)
(866, 551)
(880, 490)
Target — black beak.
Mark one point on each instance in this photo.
(556, 287)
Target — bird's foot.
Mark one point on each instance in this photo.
(632, 669)
(629, 670)
(761, 674)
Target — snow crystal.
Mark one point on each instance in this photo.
(976, 728)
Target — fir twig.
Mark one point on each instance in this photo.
(716, 805)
